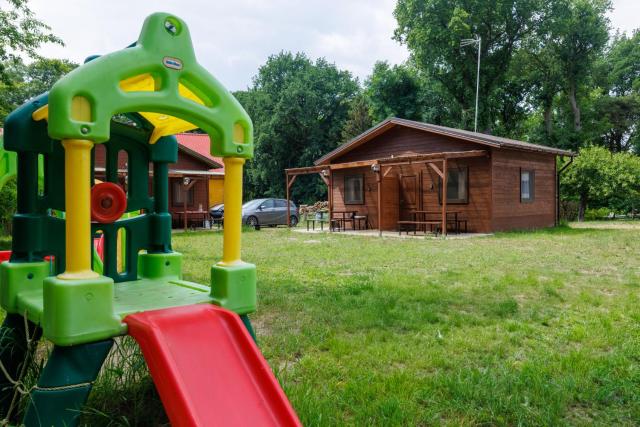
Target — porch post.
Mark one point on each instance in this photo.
(330, 198)
(444, 197)
(378, 173)
(286, 180)
(185, 192)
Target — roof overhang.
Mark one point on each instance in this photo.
(390, 161)
(475, 137)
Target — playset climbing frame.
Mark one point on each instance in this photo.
(132, 100)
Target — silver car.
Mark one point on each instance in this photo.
(270, 212)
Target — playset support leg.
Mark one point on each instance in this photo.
(65, 383)
(16, 355)
(233, 282)
(247, 324)
(77, 175)
(232, 209)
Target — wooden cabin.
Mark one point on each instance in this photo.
(401, 167)
(196, 180)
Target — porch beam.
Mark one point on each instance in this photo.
(324, 178)
(349, 165)
(290, 181)
(435, 169)
(306, 170)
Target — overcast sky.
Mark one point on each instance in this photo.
(233, 38)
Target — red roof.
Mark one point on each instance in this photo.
(199, 142)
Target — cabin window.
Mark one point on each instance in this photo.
(457, 186)
(179, 194)
(527, 185)
(354, 189)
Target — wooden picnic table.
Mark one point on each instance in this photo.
(318, 217)
(456, 220)
(192, 215)
(341, 218)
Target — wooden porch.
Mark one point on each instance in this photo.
(438, 163)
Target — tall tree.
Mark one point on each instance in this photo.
(579, 33)
(21, 33)
(27, 81)
(433, 30)
(394, 91)
(358, 120)
(298, 107)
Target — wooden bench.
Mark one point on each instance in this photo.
(317, 218)
(404, 225)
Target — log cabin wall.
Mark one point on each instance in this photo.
(493, 182)
(401, 188)
(398, 185)
(369, 207)
(509, 213)
(477, 210)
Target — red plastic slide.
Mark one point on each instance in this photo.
(207, 369)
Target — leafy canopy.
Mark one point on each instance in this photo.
(299, 108)
(21, 33)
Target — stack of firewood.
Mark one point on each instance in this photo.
(317, 206)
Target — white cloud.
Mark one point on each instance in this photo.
(232, 39)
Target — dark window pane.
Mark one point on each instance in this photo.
(353, 189)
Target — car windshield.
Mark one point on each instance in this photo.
(252, 203)
(217, 207)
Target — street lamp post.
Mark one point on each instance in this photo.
(477, 42)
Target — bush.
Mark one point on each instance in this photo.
(569, 210)
(599, 213)
(7, 206)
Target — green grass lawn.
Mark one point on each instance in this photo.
(536, 328)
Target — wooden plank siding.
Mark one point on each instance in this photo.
(401, 141)
(369, 207)
(509, 212)
(477, 211)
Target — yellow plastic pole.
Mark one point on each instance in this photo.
(232, 210)
(77, 175)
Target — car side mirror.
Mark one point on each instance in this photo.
(259, 208)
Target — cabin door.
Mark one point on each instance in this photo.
(408, 196)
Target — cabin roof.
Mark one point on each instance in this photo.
(475, 137)
(198, 145)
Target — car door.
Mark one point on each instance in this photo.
(281, 212)
(266, 213)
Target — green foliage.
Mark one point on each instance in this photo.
(358, 120)
(596, 214)
(598, 178)
(394, 91)
(433, 30)
(8, 203)
(27, 81)
(298, 108)
(21, 33)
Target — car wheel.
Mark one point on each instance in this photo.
(293, 221)
(253, 221)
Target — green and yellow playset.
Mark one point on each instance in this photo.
(197, 339)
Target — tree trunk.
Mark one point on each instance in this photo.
(548, 124)
(582, 208)
(577, 124)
